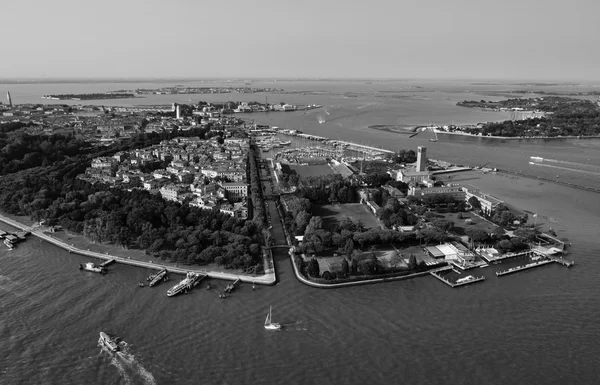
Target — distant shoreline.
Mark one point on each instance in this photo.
(515, 137)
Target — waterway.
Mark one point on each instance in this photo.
(536, 327)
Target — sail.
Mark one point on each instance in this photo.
(268, 319)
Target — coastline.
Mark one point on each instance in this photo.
(269, 278)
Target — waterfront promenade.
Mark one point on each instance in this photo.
(268, 278)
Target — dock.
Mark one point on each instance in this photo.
(231, 286)
(504, 256)
(515, 269)
(563, 262)
(108, 262)
(522, 267)
(456, 284)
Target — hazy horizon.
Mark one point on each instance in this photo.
(517, 40)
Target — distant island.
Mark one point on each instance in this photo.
(203, 90)
(95, 96)
(542, 117)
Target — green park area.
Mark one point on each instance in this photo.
(333, 214)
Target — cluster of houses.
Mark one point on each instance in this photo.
(205, 173)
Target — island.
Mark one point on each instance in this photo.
(186, 188)
(542, 117)
(95, 96)
(203, 90)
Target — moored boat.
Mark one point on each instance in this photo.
(190, 280)
(465, 279)
(90, 266)
(108, 342)
(161, 275)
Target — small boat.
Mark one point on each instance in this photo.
(208, 287)
(90, 266)
(161, 275)
(468, 278)
(271, 325)
(141, 284)
(108, 342)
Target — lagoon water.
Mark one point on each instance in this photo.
(534, 327)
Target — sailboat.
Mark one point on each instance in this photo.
(270, 325)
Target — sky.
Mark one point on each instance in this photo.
(466, 39)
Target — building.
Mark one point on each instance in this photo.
(172, 192)
(456, 191)
(102, 162)
(9, 99)
(421, 159)
(236, 191)
(488, 202)
(408, 176)
(178, 112)
(237, 210)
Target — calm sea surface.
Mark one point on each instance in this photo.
(535, 327)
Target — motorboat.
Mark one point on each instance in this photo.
(108, 342)
(90, 266)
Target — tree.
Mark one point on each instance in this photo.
(474, 202)
(412, 262)
(349, 247)
(498, 232)
(315, 224)
(477, 235)
(313, 268)
(345, 267)
(396, 259)
(528, 234)
(354, 266)
(505, 245)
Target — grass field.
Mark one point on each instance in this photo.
(334, 214)
(460, 225)
(314, 170)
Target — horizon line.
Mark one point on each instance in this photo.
(283, 78)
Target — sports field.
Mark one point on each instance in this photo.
(312, 170)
